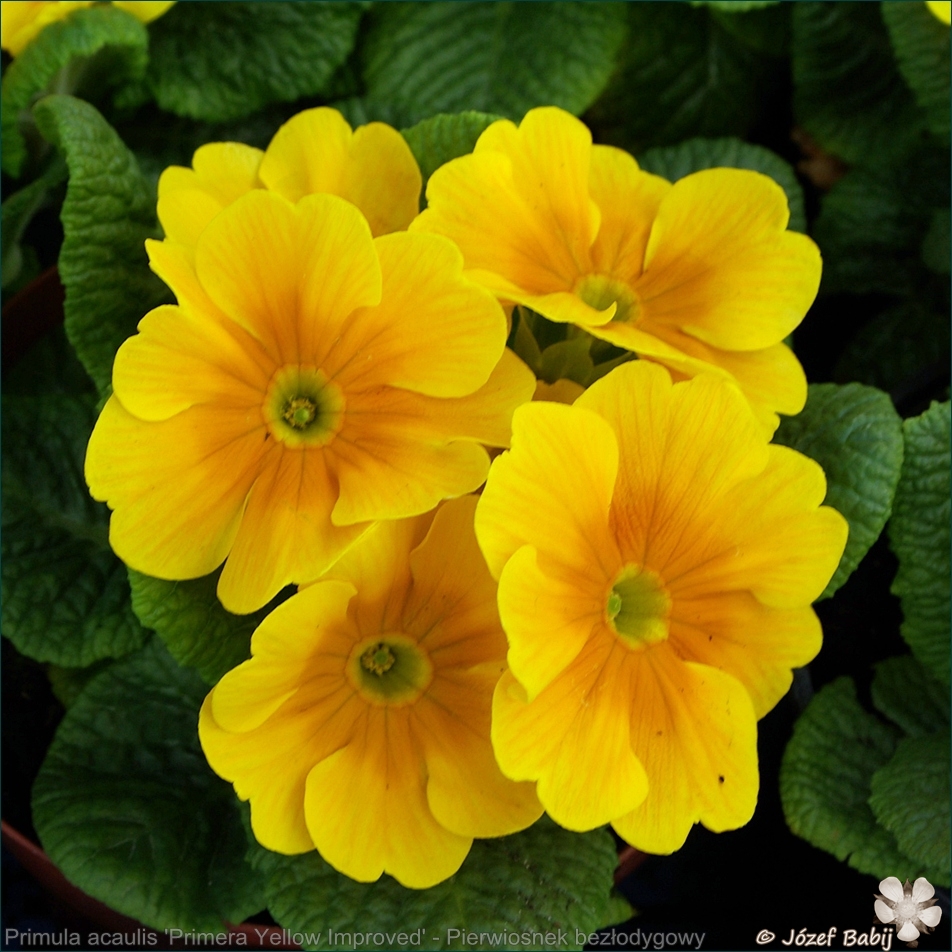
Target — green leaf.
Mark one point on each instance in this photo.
(919, 535)
(847, 92)
(65, 598)
(825, 779)
(910, 696)
(18, 211)
(910, 797)
(435, 141)
(61, 59)
(855, 434)
(895, 345)
(921, 45)
(708, 82)
(568, 359)
(505, 58)
(554, 880)
(108, 213)
(68, 683)
(874, 220)
(196, 629)
(674, 162)
(936, 245)
(126, 806)
(218, 62)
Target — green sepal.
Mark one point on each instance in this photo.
(855, 434)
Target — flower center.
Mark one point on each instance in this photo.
(302, 407)
(907, 908)
(602, 290)
(389, 670)
(638, 607)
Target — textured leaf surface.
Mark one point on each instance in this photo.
(436, 140)
(108, 213)
(221, 61)
(674, 162)
(825, 779)
(921, 44)
(188, 617)
(855, 434)
(61, 53)
(427, 58)
(848, 93)
(706, 81)
(910, 696)
(65, 597)
(919, 535)
(910, 797)
(128, 809)
(553, 879)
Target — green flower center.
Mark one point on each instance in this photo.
(602, 290)
(302, 407)
(389, 670)
(638, 608)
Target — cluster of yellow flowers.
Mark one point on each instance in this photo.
(595, 635)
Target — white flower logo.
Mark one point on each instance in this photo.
(911, 908)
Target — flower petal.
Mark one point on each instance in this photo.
(883, 912)
(908, 933)
(891, 888)
(533, 497)
(720, 265)
(922, 890)
(391, 829)
(930, 917)
(205, 460)
(695, 731)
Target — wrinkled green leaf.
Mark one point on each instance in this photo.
(553, 880)
(705, 82)
(437, 140)
(674, 162)
(219, 61)
(910, 696)
(919, 535)
(910, 798)
(505, 58)
(108, 213)
(62, 58)
(127, 808)
(825, 780)
(855, 434)
(196, 629)
(65, 598)
(68, 683)
(848, 93)
(896, 345)
(921, 45)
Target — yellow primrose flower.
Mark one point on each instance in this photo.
(310, 381)
(701, 275)
(942, 9)
(656, 560)
(22, 20)
(361, 723)
(314, 151)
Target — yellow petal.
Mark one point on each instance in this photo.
(941, 9)
(433, 332)
(694, 729)
(532, 497)
(628, 200)
(758, 645)
(562, 391)
(286, 535)
(22, 21)
(205, 461)
(720, 265)
(391, 828)
(574, 738)
(291, 275)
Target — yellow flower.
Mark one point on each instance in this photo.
(361, 723)
(942, 9)
(315, 151)
(20, 22)
(656, 560)
(311, 380)
(700, 275)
